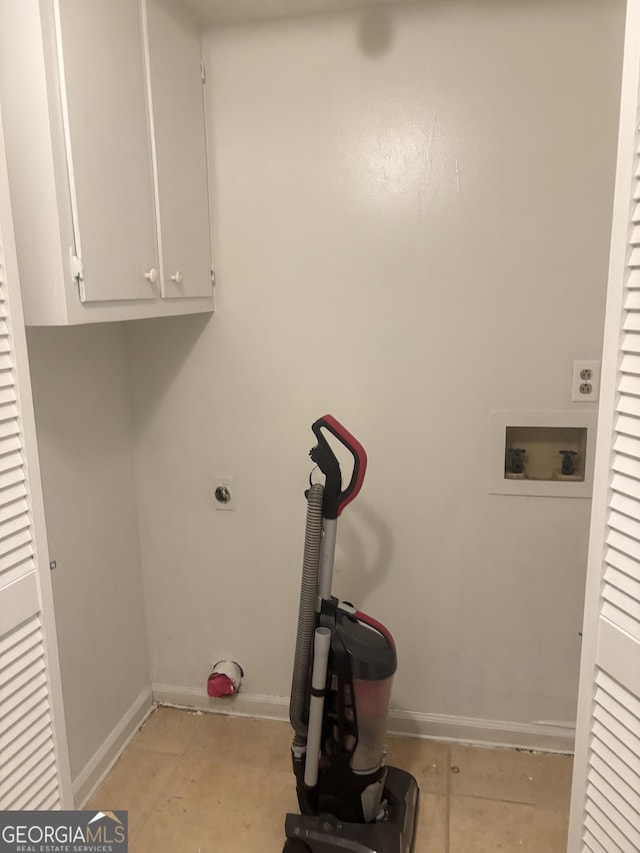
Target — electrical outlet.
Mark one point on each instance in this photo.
(585, 385)
(224, 495)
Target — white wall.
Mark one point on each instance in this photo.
(83, 419)
(411, 225)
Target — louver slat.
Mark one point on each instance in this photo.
(612, 778)
(7, 395)
(9, 427)
(627, 585)
(622, 832)
(630, 364)
(628, 446)
(626, 465)
(22, 795)
(13, 508)
(6, 378)
(622, 697)
(632, 302)
(625, 505)
(17, 636)
(617, 764)
(619, 617)
(15, 565)
(629, 405)
(615, 608)
(27, 754)
(594, 846)
(9, 444)
(23, 671)
(32, 694)
(18, 540)
(620, 542)
(631, 342)
(624, 752)
(11, 477)
(623, 562)
(597, 809)
(48, 797)
(15, 526)
(614, 797)
(628, 425)
(10, 461)
(632, 320)
(8, 413)
(36, 725)
(626, 485)
(629, 385)
(28, 761)
(624, 524)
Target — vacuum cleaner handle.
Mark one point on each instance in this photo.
(336, 499)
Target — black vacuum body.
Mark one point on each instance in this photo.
(349, 798)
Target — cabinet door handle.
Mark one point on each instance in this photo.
(152, 275)
(177, 277)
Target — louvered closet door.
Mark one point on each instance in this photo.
(605, 815)
(34, 770)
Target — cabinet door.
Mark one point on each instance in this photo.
(180, 150)
(108, 146)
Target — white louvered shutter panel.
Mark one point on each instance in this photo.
(605, 812)
(34, 769)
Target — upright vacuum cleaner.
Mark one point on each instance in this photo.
(344, 664)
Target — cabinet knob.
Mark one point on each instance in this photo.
(177, 277)
(152, 275)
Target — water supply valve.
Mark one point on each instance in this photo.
(569, 459)
(516, 460)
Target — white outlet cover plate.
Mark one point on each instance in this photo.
(578, 381)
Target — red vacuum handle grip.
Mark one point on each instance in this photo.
(336, 500)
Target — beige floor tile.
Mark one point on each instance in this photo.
(224, 739)
(489, 826)
(431, 832)
(135, 784)
(211, 783)
(217, 808)
(541, 779)
(425, 759)
(169, 731)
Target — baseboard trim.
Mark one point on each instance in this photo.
(543, 737)
(240, 704)
(94, 771)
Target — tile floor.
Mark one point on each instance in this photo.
(207, 783)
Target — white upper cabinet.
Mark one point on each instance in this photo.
(108, 164)
(105, 118)
(176, 75)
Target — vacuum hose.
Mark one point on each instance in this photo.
(306, 614)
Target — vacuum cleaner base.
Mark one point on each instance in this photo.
(395, 834)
